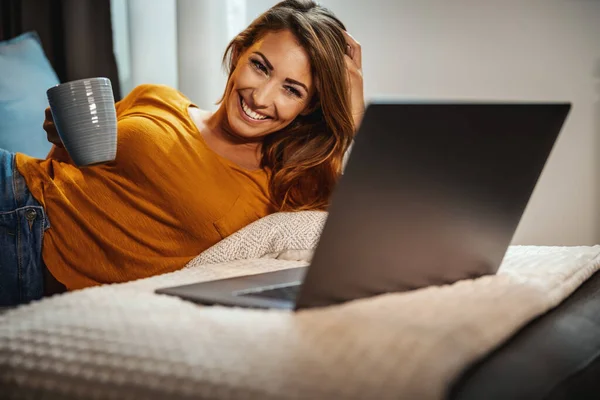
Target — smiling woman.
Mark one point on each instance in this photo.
(289, 97)
(185, 178)
(277, 67)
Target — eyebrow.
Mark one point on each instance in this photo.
(270, 66)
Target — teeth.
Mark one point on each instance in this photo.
(250, 113)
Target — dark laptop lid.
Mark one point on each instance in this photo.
(432, 193)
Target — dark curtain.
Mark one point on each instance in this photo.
(76, 35)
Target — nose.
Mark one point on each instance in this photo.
(263, 95)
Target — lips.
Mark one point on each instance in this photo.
(251, 114)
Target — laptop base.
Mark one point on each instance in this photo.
(244, 291)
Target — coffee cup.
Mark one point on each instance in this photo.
(86, 120)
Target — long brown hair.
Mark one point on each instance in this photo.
(305, 158)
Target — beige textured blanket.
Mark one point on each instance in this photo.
(123, 341)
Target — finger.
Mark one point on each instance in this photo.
(50, 128)
(356, 53)
(349, 50)
(47, 125)
(48, 121)
(54, 139)
(351, 66)
(51, 133)
(351, 44)
(48, 114)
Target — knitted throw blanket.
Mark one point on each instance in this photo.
(125, 342)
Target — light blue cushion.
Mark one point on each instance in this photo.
(25, 75)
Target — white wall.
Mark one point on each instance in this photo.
(179, 43)
(498, 50)
(119, 10)
(145, 42)
(204, 28)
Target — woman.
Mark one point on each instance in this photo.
(185, 178)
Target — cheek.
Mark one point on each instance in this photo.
(289, 109)
(245, 77)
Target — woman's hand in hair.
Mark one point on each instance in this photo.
(355, 77)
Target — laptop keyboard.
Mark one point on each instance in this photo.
(289, 292)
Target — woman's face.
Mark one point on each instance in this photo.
(271, 85)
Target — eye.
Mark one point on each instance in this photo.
(293, 91)
(259, 66)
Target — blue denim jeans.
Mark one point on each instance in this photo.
(22, 225)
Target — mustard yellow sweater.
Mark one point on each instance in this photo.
(166, 197)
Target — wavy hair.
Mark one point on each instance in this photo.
(305, 158)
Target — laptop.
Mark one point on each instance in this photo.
(432, 194)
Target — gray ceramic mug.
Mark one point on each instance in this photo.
(86, 120)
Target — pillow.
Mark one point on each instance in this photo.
(25, 75)
(282, 235)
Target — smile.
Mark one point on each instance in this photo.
(253, 115)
